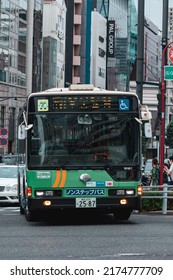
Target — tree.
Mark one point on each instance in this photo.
(169, 135)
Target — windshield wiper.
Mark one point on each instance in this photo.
(105, 162)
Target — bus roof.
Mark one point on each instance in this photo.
(82, 89)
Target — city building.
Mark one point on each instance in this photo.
(16, 80)
(119, 64)
(152, 52)
(151, 79)
(67, 41)
(37, 54)
(73, 51)
(98, 50)
(54, 28)
(152, 70)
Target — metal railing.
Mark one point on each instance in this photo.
(162, 192)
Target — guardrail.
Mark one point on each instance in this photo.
(162, 192)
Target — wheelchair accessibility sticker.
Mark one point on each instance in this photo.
(124, 104)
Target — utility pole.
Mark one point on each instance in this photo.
(140, 51)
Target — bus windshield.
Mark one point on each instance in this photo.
(78, 140)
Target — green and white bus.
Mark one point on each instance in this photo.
(82, 147)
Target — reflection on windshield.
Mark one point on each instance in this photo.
(8, 172)
(83, 140)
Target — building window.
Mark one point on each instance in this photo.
(5, 4)
(101, 39)
(101, 73)
(11, 131)
(2, 117)
(101, 52)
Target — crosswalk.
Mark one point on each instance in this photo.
(9, 210)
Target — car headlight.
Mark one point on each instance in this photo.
(11, 188)
(14, 188)
(8, 188)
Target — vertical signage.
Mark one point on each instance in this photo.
(3, 137)
(111, 38)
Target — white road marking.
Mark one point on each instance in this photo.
(9, 210)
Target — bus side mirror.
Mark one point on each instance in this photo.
(147, 130)
(21, 132)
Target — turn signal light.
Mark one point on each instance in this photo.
(140, 190)
(28, 191)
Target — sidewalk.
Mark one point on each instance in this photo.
(169, 212)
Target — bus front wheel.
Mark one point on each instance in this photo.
(30, 215)
(22, 211)
(122, 214)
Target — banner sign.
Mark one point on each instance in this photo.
(111, 38)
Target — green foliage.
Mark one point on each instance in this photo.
(155, 204)
(169, 135)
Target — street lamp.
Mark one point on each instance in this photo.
(162, 132)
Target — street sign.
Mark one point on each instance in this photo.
(168, 72)
(3, 137)
(3, 132)
(170, 54)
(3, 142)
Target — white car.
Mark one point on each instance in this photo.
(8, 184)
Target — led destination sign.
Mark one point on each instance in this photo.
(88, 103)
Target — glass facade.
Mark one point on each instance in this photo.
(13, 32)
(14, 16)
(119, 67)
(152, 43)
(133, 41)
(13, 42)
(37, 45)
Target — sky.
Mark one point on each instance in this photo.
(153, 10)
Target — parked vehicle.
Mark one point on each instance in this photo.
(11, 159)
(8, 184)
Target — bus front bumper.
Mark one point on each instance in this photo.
(107, 203)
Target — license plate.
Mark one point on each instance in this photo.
(86, 202)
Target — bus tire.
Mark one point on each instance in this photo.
(122, 214)
(30, 215)
(22, 211)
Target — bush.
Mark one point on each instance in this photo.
(155, 204)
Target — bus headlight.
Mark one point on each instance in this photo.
(44, 193)
(130, 192)
(39, 193)
(49, 193)
(120, 192)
